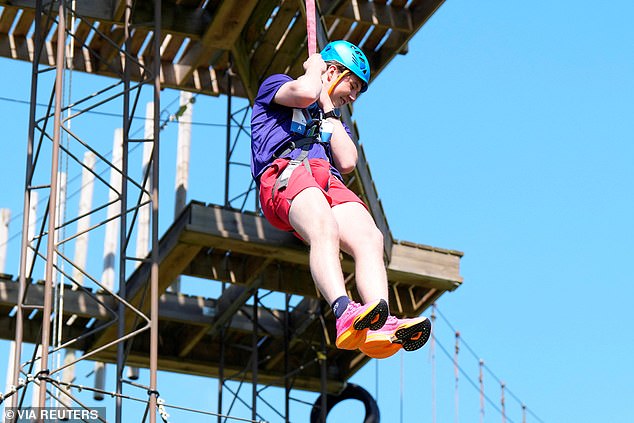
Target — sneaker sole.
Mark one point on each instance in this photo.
(413, 337)
(410, 337)
(373, 317)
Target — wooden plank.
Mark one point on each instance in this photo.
(111, 48)
(359, 31)
(8, 16)
(281, 277)
(255, 26)
(173, 46)
(440, 270)
(24, 23)
(397, 3)
(137, 39)
(98, 9)
(230, 301)
(268, 43)
(339, 31)
(374, 13)
(292, 49)
(225, 28)
(374, 39)
(82, 31)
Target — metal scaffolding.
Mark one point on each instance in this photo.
(57, 264)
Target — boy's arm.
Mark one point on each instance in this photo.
(344, 151)
(305, 90)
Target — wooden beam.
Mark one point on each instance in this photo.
(227, 25)
(174, 256)
(245, 72)
(379, 15)
(98, 9)
(232, 299)
(251, 235)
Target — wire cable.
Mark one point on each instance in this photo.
(487, 368)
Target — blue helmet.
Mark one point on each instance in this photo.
(349, 56)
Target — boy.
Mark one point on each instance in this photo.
(299, 150)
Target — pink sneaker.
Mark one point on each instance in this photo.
(411, 334)
(355, 321)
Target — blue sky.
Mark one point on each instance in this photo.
(505, 132)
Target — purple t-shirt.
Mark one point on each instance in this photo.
(271, 129)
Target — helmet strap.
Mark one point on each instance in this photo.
(334, 84)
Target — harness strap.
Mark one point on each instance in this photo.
(304, 144)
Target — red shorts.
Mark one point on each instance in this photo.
(276, 209)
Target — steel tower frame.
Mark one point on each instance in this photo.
(39, 132)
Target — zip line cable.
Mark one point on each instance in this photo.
(466, 376)
(487, 368)
(432, 355)
(456, 374)
(118, 115)
(483, 365)
(481, 380)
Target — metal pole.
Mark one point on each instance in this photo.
(123, 223)
(287, 387)
(221, 372)
(5, 216)
(154, 286)
(254, 359)
(228, 143)
(143, 227)
(50, 249)
(19, 325)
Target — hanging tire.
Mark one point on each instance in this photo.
(351, 391)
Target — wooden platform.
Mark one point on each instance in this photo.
(259, 37)
(214, 243)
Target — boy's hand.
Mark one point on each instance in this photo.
(315, 64)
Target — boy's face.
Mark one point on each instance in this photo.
(346, 88)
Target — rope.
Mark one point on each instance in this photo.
(503, 403)
(432, 353)
(481, 380)
(488, 369)
(402, 383)
(311, 27)
(456, 374)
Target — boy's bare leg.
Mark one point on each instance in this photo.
(313, 219)
(360, 238)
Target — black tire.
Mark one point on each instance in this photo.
(351, 391)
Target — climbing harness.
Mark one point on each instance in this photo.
(304, 144)
(311, 129)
